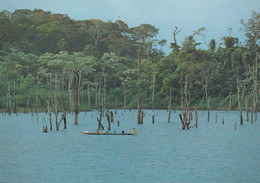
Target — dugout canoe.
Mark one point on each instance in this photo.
(94, 133)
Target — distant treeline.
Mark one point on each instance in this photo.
(45, 59)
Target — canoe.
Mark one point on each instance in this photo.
(94, 133)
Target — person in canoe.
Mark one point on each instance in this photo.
(133, 131)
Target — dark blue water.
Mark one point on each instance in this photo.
(160, 152)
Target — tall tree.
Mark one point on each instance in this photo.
(144, 34)
(79, 63)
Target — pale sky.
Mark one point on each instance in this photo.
(189, 15)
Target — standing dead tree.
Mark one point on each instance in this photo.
(100, 126)
(240, 87)
(181, 87)
(109, 121)
(205, 72)
(139, 110)
(70, 91)
(255, 98)
(174, 45)
(186, 115)
(169, 104)
(76, 96)
(49, 100)
(37, 95)
(55, 102)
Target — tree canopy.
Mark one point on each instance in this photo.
(50, 50)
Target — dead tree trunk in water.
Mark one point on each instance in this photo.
(100, 126)
(112, 116)
(49, 111)
(56, 100)
(76, 97)
(109, 121)
(105, 87)
(240, 99)
(247, 110)
(184, 120)
(170, 105)
(255, 98)
(99, 93)
(70, 90)
(64, 111)
(37, 96)
(49, 101)
(255, 82)
(139, 112)
(180, 83)
(50, 121)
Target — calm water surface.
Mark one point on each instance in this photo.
(160, 152)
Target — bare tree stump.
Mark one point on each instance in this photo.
(108, 120)
(142, 117)
(241, 118)
(50, 121)
(111, 116)
(182, 122)
(45, 129)
(65, 122)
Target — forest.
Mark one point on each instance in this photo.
(51, 62)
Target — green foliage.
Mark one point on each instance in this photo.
(230, 42)
(54, 48)
(212, 45)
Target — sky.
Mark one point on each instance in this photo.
(188, 15)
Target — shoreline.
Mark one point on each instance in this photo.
(129, 109)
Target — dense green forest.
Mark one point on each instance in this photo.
(50, 60)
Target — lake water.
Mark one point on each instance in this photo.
(159, 152)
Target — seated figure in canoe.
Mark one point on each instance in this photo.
(133, 131)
